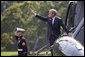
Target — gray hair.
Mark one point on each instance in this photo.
(53, 11)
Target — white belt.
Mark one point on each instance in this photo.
(20, 49)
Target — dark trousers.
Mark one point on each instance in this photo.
(52, 39)
(21, 53)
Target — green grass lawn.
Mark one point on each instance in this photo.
(15, 53)
(9, 53)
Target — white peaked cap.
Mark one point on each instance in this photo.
(20, 29)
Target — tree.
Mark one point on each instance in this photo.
(19, 15)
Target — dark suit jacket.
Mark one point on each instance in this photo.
(55, 27)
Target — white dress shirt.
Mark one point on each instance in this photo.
(53, 20)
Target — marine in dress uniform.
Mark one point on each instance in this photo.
(22, 46)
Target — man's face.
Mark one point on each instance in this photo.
(51, 14)
(19, 34)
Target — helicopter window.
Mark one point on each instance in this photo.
(71, 16)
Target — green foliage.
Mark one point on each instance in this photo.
(4, 40)
(19, 15)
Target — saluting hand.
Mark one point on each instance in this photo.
(16, 34)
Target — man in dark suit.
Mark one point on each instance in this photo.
(54, 24)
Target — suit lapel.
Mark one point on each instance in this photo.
(54, 21)
(49, 20)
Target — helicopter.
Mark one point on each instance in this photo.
(72, 46)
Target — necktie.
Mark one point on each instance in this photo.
(51, 20)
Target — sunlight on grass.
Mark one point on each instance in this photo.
(9, 53)
(15, 53)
